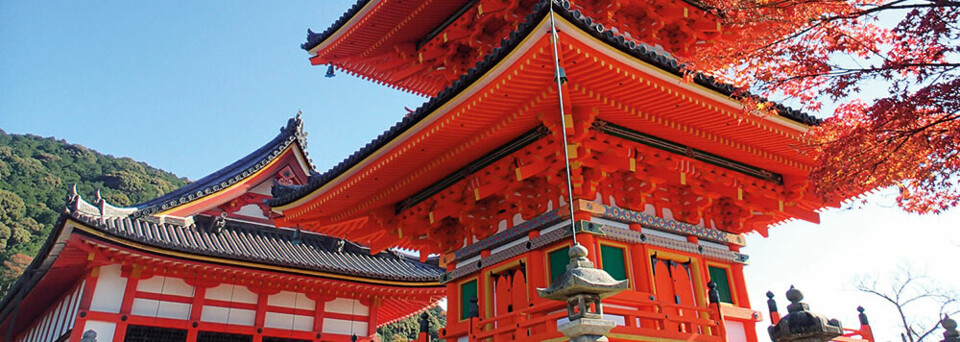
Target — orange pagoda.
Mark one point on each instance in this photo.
(543, 113)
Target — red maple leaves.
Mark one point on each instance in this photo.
(891, 69)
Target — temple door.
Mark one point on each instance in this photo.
(683, 282)
(674, 287)
(663, 284)
(511, 296)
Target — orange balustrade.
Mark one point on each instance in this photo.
(642, 312)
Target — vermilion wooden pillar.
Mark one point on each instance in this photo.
(129, 293)
(89, 286)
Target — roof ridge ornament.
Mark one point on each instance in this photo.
(99, 208)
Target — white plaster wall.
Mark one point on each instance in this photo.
(104, 330)
(219, 314)
(553, 227)
(611, 223)
(251, 210)
(344, 327)
(649, 209)
(291, 300)
(519, 241)
(263, 188)
(518, 219)
(715, 245)
(155, 308)
(665, 234)
(346, 306)
(667, 213)
(288, 321)
(616, 318)
(165, 285)
(231, 293)
(108, 293)
(735, 331)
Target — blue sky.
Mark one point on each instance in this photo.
(191, 86)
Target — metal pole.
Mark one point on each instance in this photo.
(563, 123)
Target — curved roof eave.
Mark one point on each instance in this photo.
(641, 51)
(231, 174)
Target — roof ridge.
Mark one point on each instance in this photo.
(314, 39)
(99, 207)
(353, 259)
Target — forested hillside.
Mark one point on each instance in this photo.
(35, 175)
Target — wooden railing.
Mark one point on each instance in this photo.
(642, 315)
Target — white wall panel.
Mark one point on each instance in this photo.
(215, 314)
(108, 294)
(291, 300)
(288, 321)
(104, 330)
(346, 306)
(155, 308)
(231, 293)
(344, 327)
(219, 314)
(735, 331)
(165, 285)
(251, 210)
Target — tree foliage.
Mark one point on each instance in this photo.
(841, 51)
(35, 175)
(409, 328)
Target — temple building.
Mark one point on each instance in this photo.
(552, 117)
(206, 263)
(545, 119)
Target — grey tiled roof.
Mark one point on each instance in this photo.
(266, 245)
(639, 50)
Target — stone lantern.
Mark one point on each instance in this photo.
(950, 333)
(802, 325)
(582, 286)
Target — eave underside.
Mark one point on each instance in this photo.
(520, 92)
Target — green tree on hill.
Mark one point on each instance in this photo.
(35, 175)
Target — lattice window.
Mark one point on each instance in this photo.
(558, 262)
(141, 333)
(210, 336)
(614, 261)
(719, 276)
(468, 291)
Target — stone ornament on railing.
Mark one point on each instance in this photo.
(950, 333)
(582, 286)
(802, 325)
(89, 336)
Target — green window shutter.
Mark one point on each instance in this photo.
(614, 261)
(558, 262)
(468, 291)
(719, 276)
